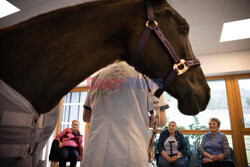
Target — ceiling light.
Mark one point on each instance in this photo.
(235, 30)
(7, 8)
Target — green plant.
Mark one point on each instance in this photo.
(194, 147)
(196, 125)
(181, 127)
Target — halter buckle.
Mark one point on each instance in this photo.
(181, 67)
(151, 24)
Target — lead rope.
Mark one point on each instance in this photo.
(151, 149)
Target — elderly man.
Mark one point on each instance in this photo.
(172, 147)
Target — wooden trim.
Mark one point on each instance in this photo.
(60, 117)
(227, 76)
(199, 132)
(238, 97)
(226, 132)
(80, 89)
(239, 115)
(86, 131)
(242, 76)
(216, 78)
(233, 108)
(238, 104)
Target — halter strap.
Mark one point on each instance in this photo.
(180, 66)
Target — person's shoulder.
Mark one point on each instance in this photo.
(179, 132)
(207, 134)
(222, 134)
(68, 129)
(164, 131)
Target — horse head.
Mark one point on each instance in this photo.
(190, 89)
(55, 51)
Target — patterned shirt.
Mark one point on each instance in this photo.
(219, 145)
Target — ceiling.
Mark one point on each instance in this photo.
(206, 18)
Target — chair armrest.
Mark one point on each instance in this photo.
(80, 151)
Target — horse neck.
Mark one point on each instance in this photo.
(69, 45)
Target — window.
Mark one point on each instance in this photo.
(217, 107)
(245, 100)
(194, 127)
(247, 144)
(230, 96)
(73, 109)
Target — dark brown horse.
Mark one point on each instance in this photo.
(44, 57)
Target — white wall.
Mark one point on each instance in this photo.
(226, 63)
(220, 64)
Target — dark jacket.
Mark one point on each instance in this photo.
(55, 150)
(182, 144)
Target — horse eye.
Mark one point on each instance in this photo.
(186, 27)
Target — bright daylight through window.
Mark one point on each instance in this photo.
(217, 107)
(7, 8)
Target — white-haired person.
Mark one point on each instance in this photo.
(69, 140)
(215, 147)
(172, 147)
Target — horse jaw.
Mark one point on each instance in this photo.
(195, 93)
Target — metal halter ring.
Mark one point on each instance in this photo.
(181, 67)
(148, 24)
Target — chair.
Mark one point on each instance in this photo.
(187, 157)
(55, 150)
(233, 158)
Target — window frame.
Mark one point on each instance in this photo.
(235, 112)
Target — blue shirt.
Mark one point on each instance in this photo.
(219, 145)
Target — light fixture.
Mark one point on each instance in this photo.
(7, 8)
(235, 30)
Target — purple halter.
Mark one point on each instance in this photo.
(180, 66)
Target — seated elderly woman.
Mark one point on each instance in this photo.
(69, 139)
(172, 147)
(215, 147)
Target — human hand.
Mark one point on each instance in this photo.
(179, 154)
(214, 158)
(169, 159)
(78, 131)
(174, 158)
(220, 157)
(206, 160)
(60, 144)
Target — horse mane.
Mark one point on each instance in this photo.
(53, 52)
(86, 7)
